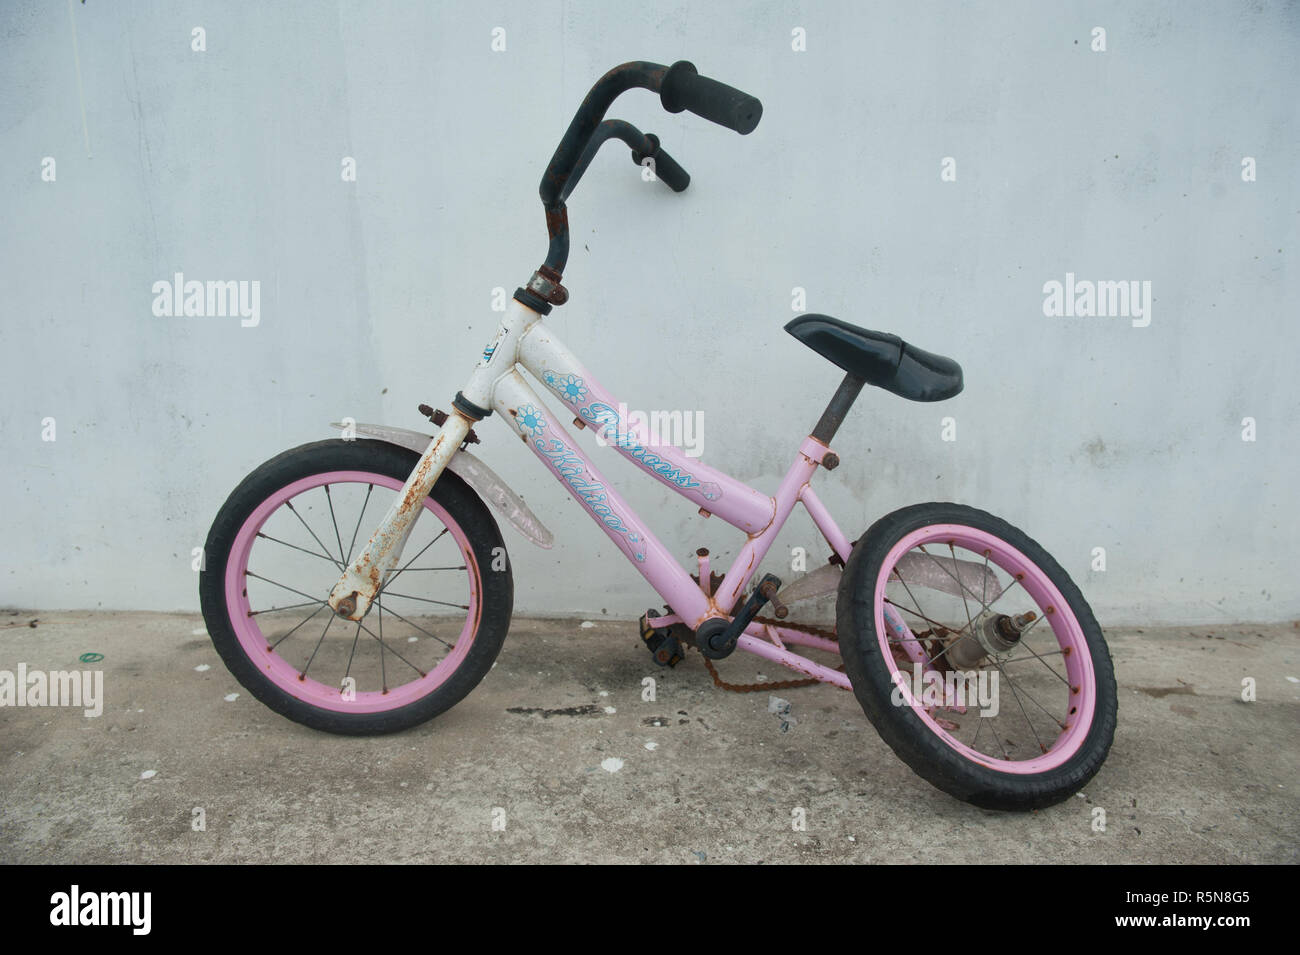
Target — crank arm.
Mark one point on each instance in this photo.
(717, 638)
(365, 577)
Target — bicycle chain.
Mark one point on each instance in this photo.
(780, 684)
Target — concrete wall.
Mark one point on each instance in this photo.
(376, 294)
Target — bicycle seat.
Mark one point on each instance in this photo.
(880, 359)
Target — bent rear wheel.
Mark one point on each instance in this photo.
(975, 657)
(281, 541)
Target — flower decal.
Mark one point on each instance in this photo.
(638, 545)
(569, 387)
(530, 419)
(572, 388)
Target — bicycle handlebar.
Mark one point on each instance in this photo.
(644, 146)
(680, 87)
(684, 88)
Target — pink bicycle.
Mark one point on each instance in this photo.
(968, 647)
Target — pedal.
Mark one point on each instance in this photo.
(663, 646)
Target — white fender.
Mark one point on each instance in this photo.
(475, 473)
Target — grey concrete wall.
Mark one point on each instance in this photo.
(1122, 164)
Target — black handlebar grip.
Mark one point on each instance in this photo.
(665, 166)
(684, 88)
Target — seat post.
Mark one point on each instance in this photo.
(838, 408)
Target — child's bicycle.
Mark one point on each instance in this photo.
(971, 651)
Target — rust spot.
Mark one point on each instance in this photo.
(557, 220)
(1065, 651)
(514, 413)
(1051, 609)
(1074, 689)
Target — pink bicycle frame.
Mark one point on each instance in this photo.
(523, 341)
(760, 516)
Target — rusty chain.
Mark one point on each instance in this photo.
(779, 684)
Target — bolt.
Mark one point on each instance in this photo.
(347, 606)
(830, 461)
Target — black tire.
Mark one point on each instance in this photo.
(450, 492)
(902, 729)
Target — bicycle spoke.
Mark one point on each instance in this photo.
(1049, 653)
(389, 581)
(383, 671)
(418, 627)
(1005, 754)
(355, 637)
(1035, 652)
(296, 547)
(916, 613)
(328, 624)
(334, 520)
(1015, 579)
(294, 510)
(1041, 747)
(428, 600)
(285, 586)
(258, 613)
(984, 581)
(1030, 696)
(921, 547)
(353, 543)
(984, 607)
(965, 605)
(385, 646)
(322, 606)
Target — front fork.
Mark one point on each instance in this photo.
(364, 578)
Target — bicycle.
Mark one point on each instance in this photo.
(999, 611)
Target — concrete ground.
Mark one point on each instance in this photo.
(1195, 775)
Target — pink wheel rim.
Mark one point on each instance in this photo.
(1065, 626)
(286, 676)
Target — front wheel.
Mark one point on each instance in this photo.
(975, 657)
(280, 543)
